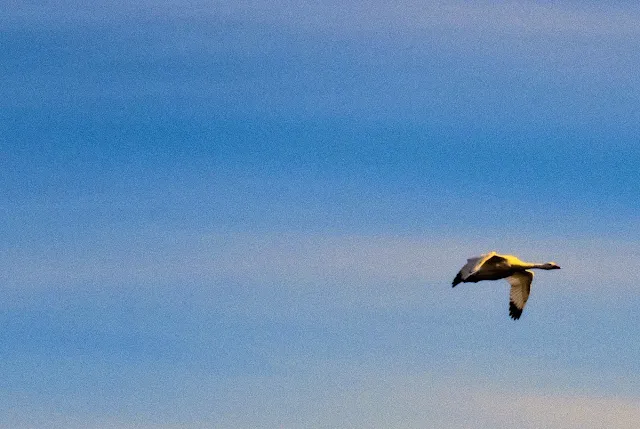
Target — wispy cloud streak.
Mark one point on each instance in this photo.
(355, 16)
(309, 259)
(379, 398)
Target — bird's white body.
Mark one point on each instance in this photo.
(492, 266)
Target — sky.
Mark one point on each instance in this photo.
(248, 214)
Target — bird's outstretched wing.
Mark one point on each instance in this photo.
(520, 287)
(472, 266)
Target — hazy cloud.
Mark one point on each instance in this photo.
(354, 16)
(291, 258)
(380, 398)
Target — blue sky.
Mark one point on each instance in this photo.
(248, 214)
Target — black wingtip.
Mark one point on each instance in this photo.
(457, 280)
(514, 311)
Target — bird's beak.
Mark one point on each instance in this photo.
(557, 267)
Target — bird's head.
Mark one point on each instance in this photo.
(551, 266)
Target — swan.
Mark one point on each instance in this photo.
(492, 266)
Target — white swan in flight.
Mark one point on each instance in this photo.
(493, 266)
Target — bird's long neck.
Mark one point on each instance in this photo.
(544, 266)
